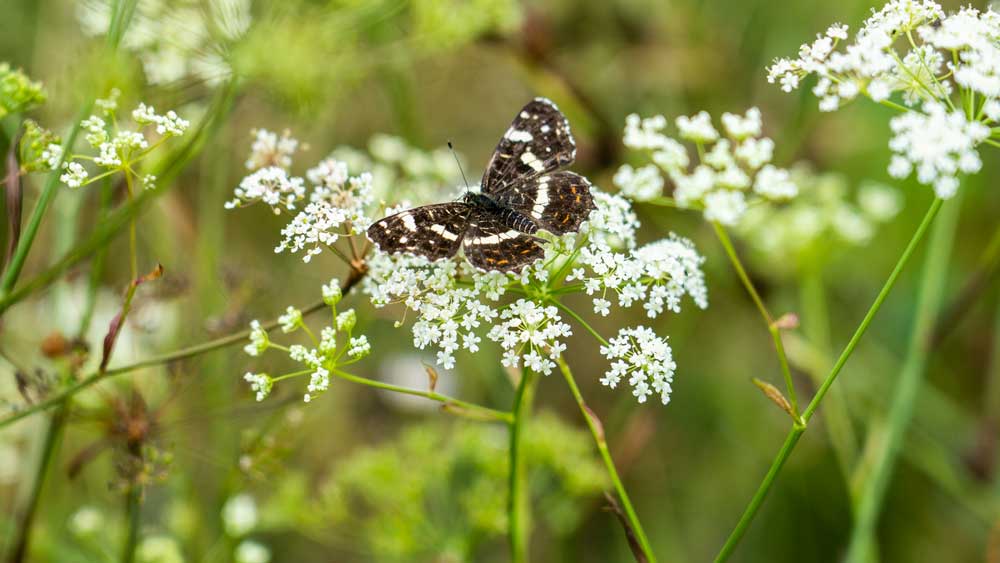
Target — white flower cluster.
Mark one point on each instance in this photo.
(448, 312)
(826, 215)
(176, 39)
(530, 335)
(117, 148)
(940, 54)
(939, 144)
(268, 149)
(339, 204)
(731, 167)
(326, 354)
(658, 274)
(642, 357)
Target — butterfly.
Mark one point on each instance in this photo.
(523, 191)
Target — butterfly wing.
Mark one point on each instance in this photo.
(558, 201)
(538, 141)
(432, 231)
(491, 245)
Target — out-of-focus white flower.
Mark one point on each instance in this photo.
(260, 383)
(726, 167)
(239, 515)
(159, 549)
(642, 358)
(86, 521)
(268, 149)
(249, 551)
(75, 174)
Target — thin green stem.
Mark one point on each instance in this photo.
(450, 403)
(904, 397)
(580, 320)
(774, 330)
(53, 433)
(49, 190)
(132, 237)
(796, 431)
(518, 501)
(133, 513)
(176, 355)
(597, 431)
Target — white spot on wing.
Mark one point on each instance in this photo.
(531, 160)
(493, 239)
(518, 136)
(444, 232)
(545, 128)
(541, 198)
(524, 115)
(409, 223)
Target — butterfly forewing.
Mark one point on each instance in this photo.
(558, 201)
(433, 231)
(538, 141)
(491, 245)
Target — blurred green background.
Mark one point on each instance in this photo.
(359, 476)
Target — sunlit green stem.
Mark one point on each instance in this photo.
(518, 500)
(176, 355)
(133, 518)
(772, 328)
(450, 403)
(132, 237)
(904, 397)
(597, 431)
(580, 320)
(796, 431)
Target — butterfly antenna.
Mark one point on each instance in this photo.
(459, 163)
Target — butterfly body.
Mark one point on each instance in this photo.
(523, 191)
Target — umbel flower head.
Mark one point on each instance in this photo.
(729, 171)
(944, 68)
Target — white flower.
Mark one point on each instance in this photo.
(291, 320)
(742, 127)
(258, 339)
(148, 181)
(52, 154)
(645, 359)
(775, 183)
(239, 515)
(260, 383)
(697, 128)
(359, 347)
(270, 150)
(530, 335)
(938, 144)
(725, 207)
(271, 186)
(110, 104)
(642, 184)
(249, 551)
(332, 294)
(75, 174)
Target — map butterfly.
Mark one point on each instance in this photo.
(523, 191)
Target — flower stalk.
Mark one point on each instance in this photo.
(796, 431)
(519, 495)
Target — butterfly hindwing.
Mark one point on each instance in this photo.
(433, 231)
(491, 245)
(538, 141)
(558, 201)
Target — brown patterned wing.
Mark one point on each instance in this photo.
(432, 231)
(537, 141)
(492, 246)
(558, 202)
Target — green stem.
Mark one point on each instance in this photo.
(181, 354)
(518, 502)
(133, 511)
(132, 237)
(774, 330)
(597, 431)
(53, 433)
(796, 431)
(816, 327)
(49, 190)
(580, 320)
(450, 403)
(931, 296)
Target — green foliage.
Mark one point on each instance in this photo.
(440, 490)
(18, 93)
